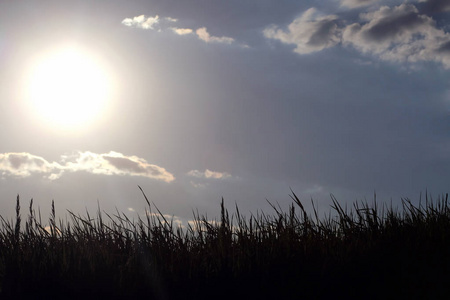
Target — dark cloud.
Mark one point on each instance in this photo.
(434, 6)
(399, 34)
(390, 24)
(325, 32)
(445, 48)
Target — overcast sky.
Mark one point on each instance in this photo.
(234, 99)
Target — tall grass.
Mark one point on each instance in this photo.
(366, 251)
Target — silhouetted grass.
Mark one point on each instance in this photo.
(366, 252)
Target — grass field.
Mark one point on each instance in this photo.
(367, 251)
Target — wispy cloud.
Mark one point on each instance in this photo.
(173, 20)
(358, 3)
(314, 189)
(209, 174)
(398, 34)
(141, 21)
(310, 32)
(112, 163)
(203, 34)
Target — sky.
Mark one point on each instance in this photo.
(196, 100)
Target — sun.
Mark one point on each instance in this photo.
(68, 88)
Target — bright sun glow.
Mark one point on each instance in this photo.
(68, 88)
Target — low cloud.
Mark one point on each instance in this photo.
(174, 220)
(181, 31)
(203, 34)
(141, 22)
(207, 174)
(112, 163)
(397, 34)
(310, 32)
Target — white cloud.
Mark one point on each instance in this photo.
(358, 3)
(209, 174)
(112, 163)
(310, 32)
(181, 31)
(141, 22)
(203, 34)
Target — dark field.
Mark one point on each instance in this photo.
(366, 252)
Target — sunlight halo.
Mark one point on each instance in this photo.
(68, 88)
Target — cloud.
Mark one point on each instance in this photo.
(314, 189)
(435, 6)
(203, 34)
(24, 164)
(209, 174)
(112, 163)
(399, 34)
(175, 220)
(310, 32)
(149, 23)
(141, 22)
(173, 20)
(181, 31)
(198, 185)
(358, 3)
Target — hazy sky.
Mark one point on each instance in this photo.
(204, 99)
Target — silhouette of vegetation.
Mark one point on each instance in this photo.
(367, 251)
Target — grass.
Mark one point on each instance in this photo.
(366, 251)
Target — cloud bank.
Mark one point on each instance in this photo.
(113, 163)
(397, 34)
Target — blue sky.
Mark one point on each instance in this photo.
(234, 99)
